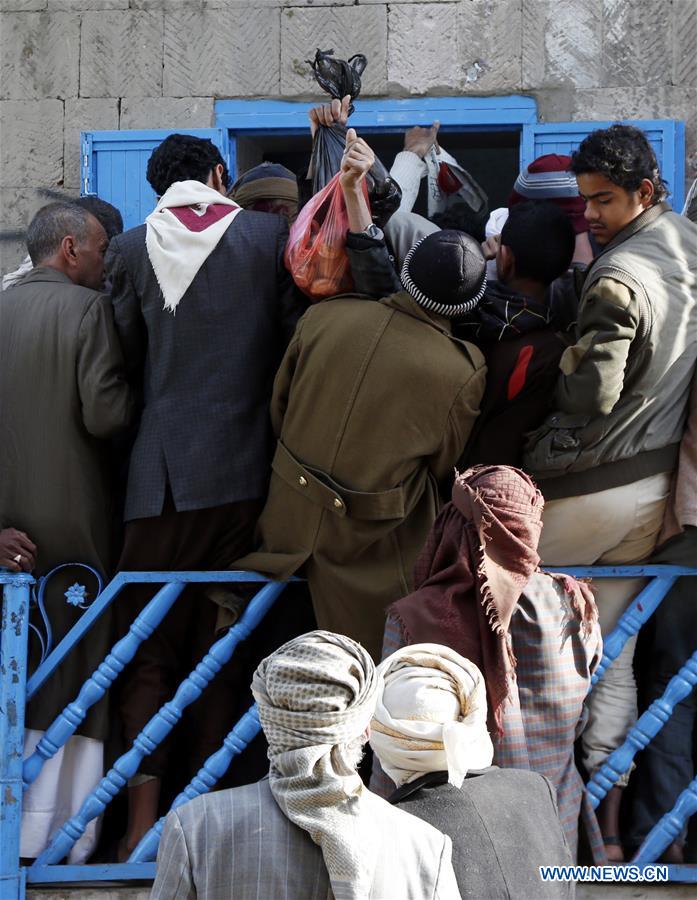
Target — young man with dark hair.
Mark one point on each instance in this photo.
(513, 328)
(182, 157)
(201, 460)
(604, 457)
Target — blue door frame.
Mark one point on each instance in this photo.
(514, 112)
(114, 162)
(249, 118)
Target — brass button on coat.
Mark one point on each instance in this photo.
(302, 481)
(338, 503)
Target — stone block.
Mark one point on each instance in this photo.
(644, 102)
(167, 112)
(86, 5)
(17, 208)
(422, 48)
(554, 104)
(39, 55)
(231, 55)
(84, 115)
(235, 4)
(121, 54)
(684, 42)
(19, 204)
(22, 5)
(636, 49)
(490, 45)
(346, 30)
(12, 252)
(561, 43)
(180, 5)
(31, 149)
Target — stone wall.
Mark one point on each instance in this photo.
(68, 65)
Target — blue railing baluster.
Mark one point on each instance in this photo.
(13, 675)
(647, 727)
(101, 680)
(13, 695)
(669, 827)
(637, 614)
(205, 779)
(159, 726)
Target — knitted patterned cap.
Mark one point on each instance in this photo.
(548, 178)
(445, 273)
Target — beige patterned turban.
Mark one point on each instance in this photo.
(430, 715)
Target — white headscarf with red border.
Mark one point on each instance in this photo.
(182, 231)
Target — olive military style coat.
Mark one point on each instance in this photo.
(63, 394)
(372, 405)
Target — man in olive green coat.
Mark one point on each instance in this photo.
(372, 405)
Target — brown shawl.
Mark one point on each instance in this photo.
(478, 558)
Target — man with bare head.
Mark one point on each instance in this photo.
(63, 393)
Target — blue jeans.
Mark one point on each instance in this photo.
(666, 766)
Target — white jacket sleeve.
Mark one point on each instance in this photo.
(407, 170)
(447, 887)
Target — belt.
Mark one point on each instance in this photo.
(319, 488)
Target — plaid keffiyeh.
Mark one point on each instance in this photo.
(316, 695)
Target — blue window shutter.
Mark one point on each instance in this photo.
(255, 117)
(666, 136)
(114, 165)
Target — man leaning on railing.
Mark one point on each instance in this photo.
(63, 394)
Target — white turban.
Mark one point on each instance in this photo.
(430, 715)
(316, 695)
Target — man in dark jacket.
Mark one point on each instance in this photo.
(200, 464)
(513, 327)
(604, 457)
(429, 734)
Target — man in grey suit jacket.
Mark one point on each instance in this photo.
(204, 308)
(311, 826)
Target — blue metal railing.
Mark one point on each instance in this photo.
(16, 774)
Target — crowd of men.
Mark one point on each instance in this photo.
(500, 391)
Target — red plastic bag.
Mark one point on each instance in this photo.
(316, 250)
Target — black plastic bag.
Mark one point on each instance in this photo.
(339, 78)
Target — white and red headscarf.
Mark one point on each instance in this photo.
(182, 231)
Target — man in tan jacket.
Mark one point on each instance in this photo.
(603, 458)
(372, 405)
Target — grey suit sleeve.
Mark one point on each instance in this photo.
(107, 401)
(292, 302)
(128, 315)
(173, 880)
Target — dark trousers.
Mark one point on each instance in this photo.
(205, 539)
(666, 766)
